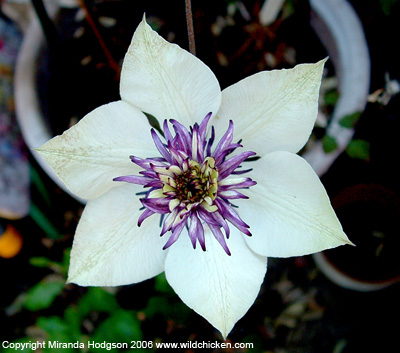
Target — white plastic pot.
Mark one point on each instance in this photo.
(340, 30)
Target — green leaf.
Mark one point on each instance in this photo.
(162, 285)
(154, 123)
(157, 305)
(40, 262)
(43, 222)
(74, 321)
(42, 295)
(64, 265)
(387, 6)
(58, 267)
(40, 186)
(121, 326)
(349, 121)
(53, 325)
(359, 149)
(57, 331)
(97, 299)
(329, 144)
(331, 97)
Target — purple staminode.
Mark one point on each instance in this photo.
(190, 185)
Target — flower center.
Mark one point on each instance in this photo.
(194, 183)
(191, 185)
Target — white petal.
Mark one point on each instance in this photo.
(288, 211)
(166, 81)
(219, 287)
(272, 110)
(109, 248)
(94, 151)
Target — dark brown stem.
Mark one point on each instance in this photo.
(113, 64)
(190, 28)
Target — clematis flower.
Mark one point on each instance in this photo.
(186, 200)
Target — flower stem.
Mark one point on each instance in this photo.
(113, 64)
(189, 22)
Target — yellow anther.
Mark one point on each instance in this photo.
(157, 194)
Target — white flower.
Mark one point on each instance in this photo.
(287, 212)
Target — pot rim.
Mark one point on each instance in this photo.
(344, 280)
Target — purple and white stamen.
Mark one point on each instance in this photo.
(192, 186)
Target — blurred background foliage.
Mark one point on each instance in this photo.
(298, 309)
